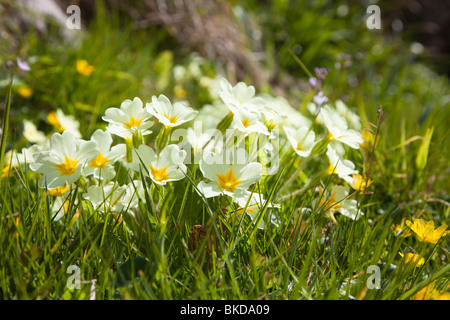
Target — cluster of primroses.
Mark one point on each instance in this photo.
(235, 141)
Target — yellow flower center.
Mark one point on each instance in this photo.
(270, 125)
(172, 119)
(333, 200)
(245, 123)
(330, 169)
(99, 162)
(228, 181)
(330, 202)
(241, 211)
(68, 167)
(299, 147)
(159, 174)
(332, 137)
(132, 123)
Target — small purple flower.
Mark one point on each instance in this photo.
(23, 65)
(321, 73)
(320, 99)
(312, 82)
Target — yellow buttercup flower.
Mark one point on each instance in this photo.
(359, 183)
(443, 296)
(430, 293)
(7, 171)
(426, 293)
(25, 92)
(401, 230)
(412, 258)
(425, 231)
(84, 68)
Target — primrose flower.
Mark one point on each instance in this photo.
(352, 118)
(101, 167)
(210, 115)
(11, 160)
(412, 258)
(130, 117)
(84, 68)
(32, 134)
(343, 168)
(202, 141)
(336, 200)
(62, 122)
(238, 96)
(272, 117)
(170, 115)
(133, 192)
(64, 162)
(212, 85)
(60, 207)
(253, 203)
(247, 120)
(425, 231)
(166, 167)
(302, 140)
(338, 128)
(231, 176)
(105, 198)
(289, 116)
(115, 199)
